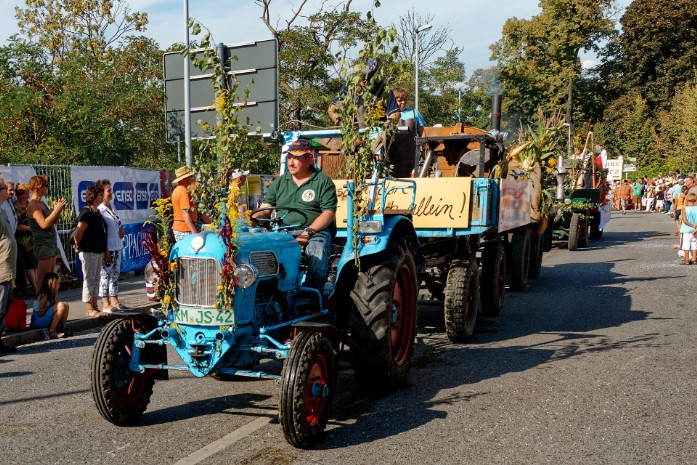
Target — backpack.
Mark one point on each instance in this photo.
(16, 316)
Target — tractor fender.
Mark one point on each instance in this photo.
(394, 228)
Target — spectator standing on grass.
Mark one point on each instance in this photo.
(48, 312)
(109, 275)
(8, 261)
(42, 222)
(90, 241)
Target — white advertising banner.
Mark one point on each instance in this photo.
(17, 173)
(614, 169)
(134, 192)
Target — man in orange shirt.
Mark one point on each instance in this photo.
(185, 214)
(625, 195)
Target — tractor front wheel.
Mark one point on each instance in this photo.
(308, 383)
(121, 395)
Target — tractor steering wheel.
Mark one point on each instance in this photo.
(277, 223)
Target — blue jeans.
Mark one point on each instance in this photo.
(317, 251)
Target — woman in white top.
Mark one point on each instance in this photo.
(109, 279)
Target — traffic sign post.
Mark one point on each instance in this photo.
(254, 64)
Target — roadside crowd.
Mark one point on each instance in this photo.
(30, 250)
(671, 195)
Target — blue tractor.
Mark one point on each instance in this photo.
(367, 314)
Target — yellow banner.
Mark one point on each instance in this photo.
(440, 202)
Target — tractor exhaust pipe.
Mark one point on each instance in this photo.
(496, 111)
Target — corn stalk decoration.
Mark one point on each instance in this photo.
(216, 192)
(358, 102)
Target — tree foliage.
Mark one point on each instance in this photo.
(62, 26)
(657, 49)
(538, 59)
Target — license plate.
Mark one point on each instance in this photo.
(203, 317)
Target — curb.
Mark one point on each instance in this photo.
(35, 335)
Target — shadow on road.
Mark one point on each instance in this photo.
(561, 315)
(236, 403)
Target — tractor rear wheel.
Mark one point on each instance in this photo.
(121, 395)
(461, 300)
(383, 320)
(308, 384)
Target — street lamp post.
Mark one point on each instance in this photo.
(187, 90)
(419, 30)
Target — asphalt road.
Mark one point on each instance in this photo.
(594, 364)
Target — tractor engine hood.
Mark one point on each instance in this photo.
(274, 255)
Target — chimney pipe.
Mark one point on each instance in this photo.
(496, 112)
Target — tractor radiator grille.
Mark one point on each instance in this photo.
(265, 263)
(197, 281)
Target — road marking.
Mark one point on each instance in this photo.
(222, 443)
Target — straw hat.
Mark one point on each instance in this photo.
(238, 173)
(182, 173)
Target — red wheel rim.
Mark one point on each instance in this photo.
(315, 390)
(471, 310)
(403, 312)
(128, 385)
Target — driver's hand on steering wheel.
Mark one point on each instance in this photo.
(303, 239)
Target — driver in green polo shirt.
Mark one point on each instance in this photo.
(309, 190)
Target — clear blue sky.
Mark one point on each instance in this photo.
(474, 24)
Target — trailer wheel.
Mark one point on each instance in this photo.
(536, 251)
(574, 231)
(461, 300)
(308, 383)
(120, 394)
(492, 286)
(548, 236)
(596, 232)
(520, 260)
(583, 234)
(383, 322)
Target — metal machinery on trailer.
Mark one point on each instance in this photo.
(477, 233)
(582, 211)
(371, 310)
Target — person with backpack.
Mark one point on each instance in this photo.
(48, 312)
(8, 262)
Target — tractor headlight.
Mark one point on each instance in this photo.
(197, 243)
(369, 227)
(246, 275)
